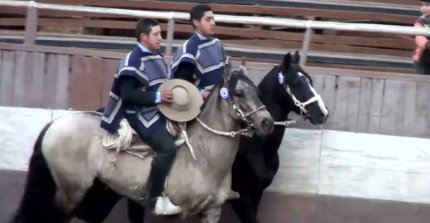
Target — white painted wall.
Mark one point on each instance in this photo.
(312, 161)
(354, 165)
(19, 128)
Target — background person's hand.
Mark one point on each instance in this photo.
(421, 42)
(417, 55)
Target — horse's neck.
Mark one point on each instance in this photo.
(270, 94)
(215, 149)
(277, 110)
(216, 112)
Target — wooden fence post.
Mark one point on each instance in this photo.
(31, 24)
(170, 31)
(306, 42)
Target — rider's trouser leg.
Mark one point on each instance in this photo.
(163, 144)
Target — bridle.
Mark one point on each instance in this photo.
(243, 116)
(301, 105)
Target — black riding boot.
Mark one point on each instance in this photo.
(164, 145)
(157, 177)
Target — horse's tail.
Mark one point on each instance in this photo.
(37, 203)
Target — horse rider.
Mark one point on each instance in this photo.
(201, 59)
(135, 95)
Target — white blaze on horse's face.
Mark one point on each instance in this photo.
(316, 95)
(305, 97)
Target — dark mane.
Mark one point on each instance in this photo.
(239, 75)
(267, 80)
(235, 76)
(274, 95)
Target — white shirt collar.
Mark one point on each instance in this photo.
(143, 48)
(201, 37)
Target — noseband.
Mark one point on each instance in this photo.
(245, 116)
(301, 105)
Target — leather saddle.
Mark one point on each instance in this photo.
(127, 140)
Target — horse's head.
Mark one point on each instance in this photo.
(243, 95)
(299, 89)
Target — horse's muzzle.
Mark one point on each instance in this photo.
(267, 125)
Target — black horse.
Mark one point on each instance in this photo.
(287, 87)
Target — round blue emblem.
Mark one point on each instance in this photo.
(280, 78)
(223, 92)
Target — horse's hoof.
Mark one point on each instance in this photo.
(165, 207)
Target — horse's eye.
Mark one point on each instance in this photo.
(238, 92)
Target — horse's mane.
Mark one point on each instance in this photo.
(268, 80)
(234, 78)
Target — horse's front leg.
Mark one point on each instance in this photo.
(255, 200)
(212, 215)
(243, 207)
(136, 212)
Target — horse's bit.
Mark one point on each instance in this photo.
(245, 116)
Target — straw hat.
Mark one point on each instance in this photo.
(186, 101)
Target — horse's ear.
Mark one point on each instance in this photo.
(296, 58)
(286, 63)
(227, 68)
(227, 61)
(243, 68)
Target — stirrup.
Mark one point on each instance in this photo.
(179, 142)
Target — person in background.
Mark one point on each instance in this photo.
(421, 56)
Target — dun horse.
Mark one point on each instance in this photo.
(68, 160)
(287, 87)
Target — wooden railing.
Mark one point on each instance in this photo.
(80, 79)
(352, 39)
